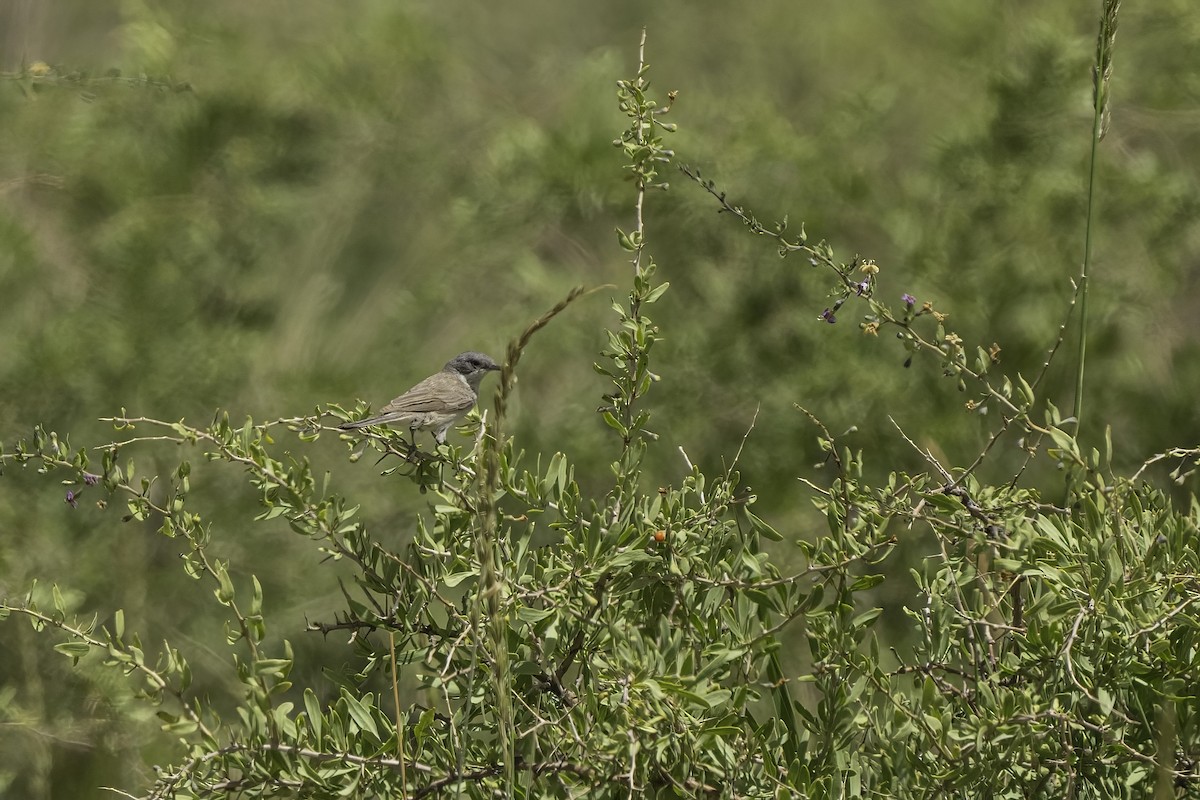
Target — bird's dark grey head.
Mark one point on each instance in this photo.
(471, 365)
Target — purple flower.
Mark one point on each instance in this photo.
(908, 299)
(828, 316)
(864, 286)
(90, 479)
(71, 499)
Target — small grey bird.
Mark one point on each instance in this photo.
(437, 402)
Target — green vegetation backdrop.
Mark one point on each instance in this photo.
(265, 207)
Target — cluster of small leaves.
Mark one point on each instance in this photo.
(857, 279)
(1054, 650)
(640, 636)
(629, 347)
(1056, 653)
(169, 676)
(262, 676)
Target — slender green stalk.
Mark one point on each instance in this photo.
(1100, 79)
(489, 600)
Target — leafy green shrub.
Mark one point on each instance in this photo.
(629, 643)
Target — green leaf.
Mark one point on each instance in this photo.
(614, 423)
(181, 727)
(424, 724)
(313, 708)
(273, 666)
(631, 557)
(224, 593)
(866, 618)
(1026, 391)
(534, 615)
(59, 605)
(455, 578)
(942, 501)
(624, 240)
(257, 600)
(864, 582)
(671, 687)
(656, 292)
(716, 661)
(556, 474)
(360, 713)
(76, 650)
(1066, 443)
(763, 528)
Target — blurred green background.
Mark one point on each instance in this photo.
(277, 204)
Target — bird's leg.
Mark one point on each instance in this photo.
(412, 442)
(440, 438)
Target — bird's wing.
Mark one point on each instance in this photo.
(438, 393)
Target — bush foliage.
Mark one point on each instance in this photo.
(543, 628)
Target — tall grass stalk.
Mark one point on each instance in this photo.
(489, 549)
(1101, 75)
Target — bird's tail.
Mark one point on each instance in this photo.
(362, 423)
